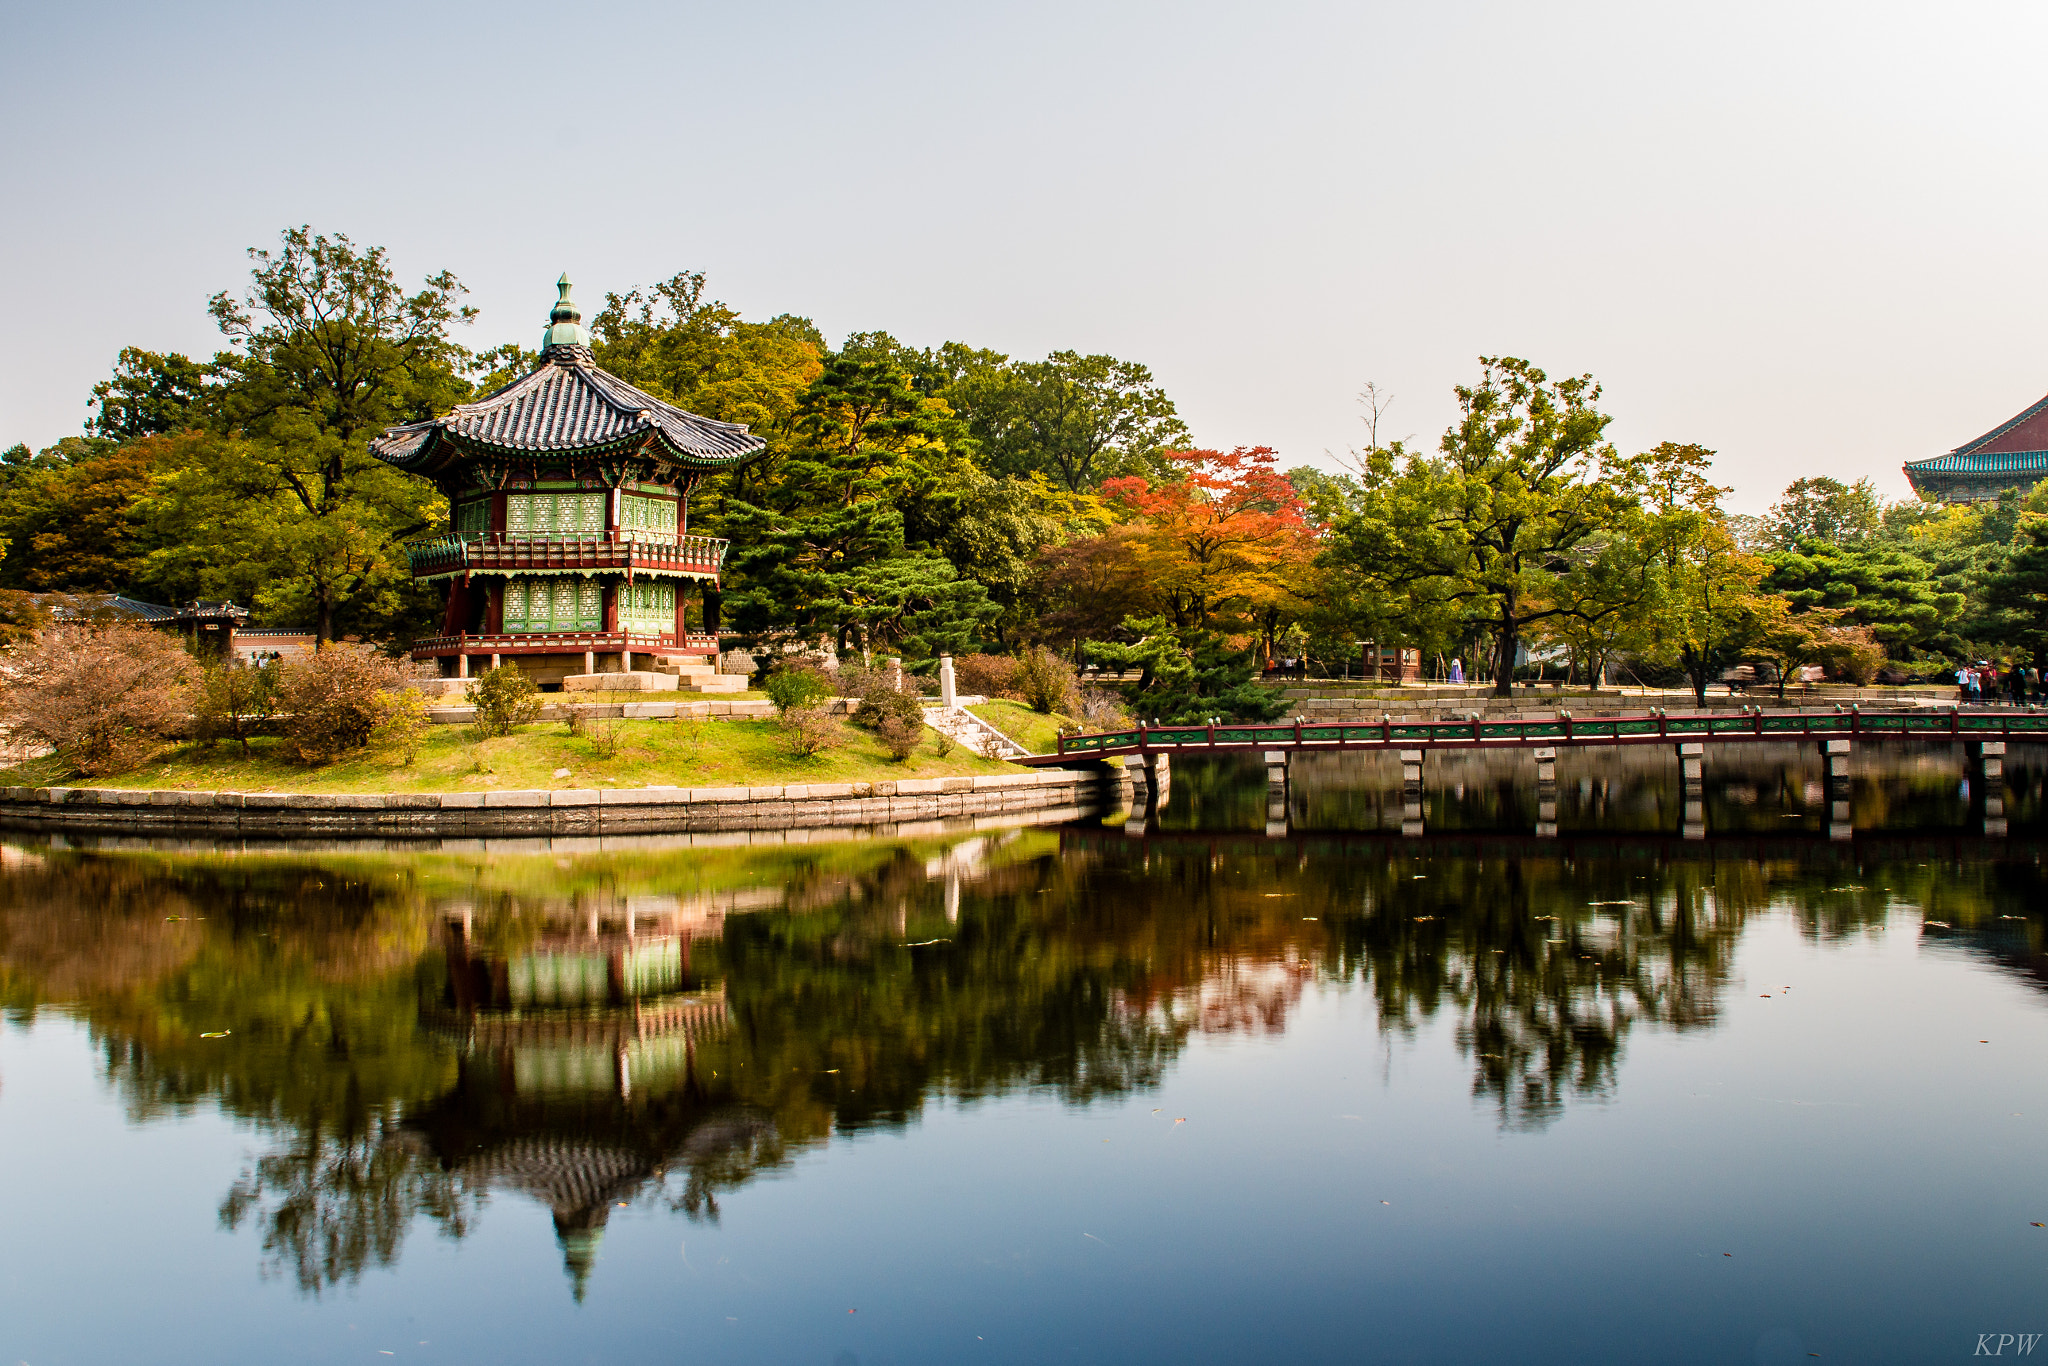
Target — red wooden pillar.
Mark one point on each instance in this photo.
(456, 619)
(494, 613)
(682, 612)
(611, 607)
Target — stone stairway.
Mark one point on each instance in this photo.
(971, 732)
(701, 678)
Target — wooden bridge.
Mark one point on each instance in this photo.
(1654, 728)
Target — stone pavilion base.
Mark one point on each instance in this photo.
(637, 681)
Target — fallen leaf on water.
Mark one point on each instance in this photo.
(1182, 1120)
(1386, 1202)
(1763, 996)
(2039, 1224)
(1727, 1254)
(217, 1034)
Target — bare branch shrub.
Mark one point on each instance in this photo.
(988, 675)
(102, 696)
(504, 697)
(806, 730)
(900, 736)
(942, 742)
(405, 723)
(1046, 683)
(1103, 709)
(334, 701)
(233, 702)
(990, 744)
(604, 734)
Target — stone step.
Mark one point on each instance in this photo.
(710, 683)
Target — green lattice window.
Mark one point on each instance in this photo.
(558, 603)
(473, 516)
(554, 514)
(649, 608)
(654, 516)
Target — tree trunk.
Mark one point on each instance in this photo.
(1504, 661)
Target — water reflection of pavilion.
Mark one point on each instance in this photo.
(577, 1040)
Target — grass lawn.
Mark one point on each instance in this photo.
(1036, 731)
(743, 753)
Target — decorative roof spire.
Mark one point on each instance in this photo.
(565, 323)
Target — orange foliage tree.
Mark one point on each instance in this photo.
(1226, 546)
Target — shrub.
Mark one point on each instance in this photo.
(102, 696)
(334, 701)
(504, 697)
(989, 675)
(806, 730)
(233, 702)
(900, 736)
(1103, 709)
(878, 705)
(405, 723)
(942, 742)
(604, 734)
(791, 685)
(1046, 683)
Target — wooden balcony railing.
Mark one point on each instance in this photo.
(560, 642)
(496, 552)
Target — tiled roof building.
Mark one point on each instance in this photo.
(2012, 455)
(568, 491)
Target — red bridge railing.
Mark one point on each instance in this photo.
(1563, 730)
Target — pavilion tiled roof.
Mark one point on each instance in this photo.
(2003, 462)
(2014, 454)
(564, 407)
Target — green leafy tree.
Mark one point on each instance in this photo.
(1488, 528)
(824, 549)
(1074, 419)
(2015, 596)
(151, 395)
(1186, 676)
(1702, 608)
(1885, 588)
(328, 351)
(1823, 509)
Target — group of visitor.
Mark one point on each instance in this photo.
(1985, 682)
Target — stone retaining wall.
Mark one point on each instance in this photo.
(884, 808)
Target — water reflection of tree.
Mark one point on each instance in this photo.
(1081, 972)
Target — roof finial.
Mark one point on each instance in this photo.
(565, 323)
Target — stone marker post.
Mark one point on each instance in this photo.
(949, 697)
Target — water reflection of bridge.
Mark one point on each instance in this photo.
(1828, 782)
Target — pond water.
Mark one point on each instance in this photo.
(1192, 1095)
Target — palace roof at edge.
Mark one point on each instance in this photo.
(565, 408)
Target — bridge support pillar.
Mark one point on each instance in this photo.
(1987, 757)
(1158, 777)
(1546, 794)
(462, 666)
(1276, 792)
(1837, 752)
(1692, 763)
(1411, 792)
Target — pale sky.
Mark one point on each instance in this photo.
(1805, 235)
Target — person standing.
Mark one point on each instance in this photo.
(1457, 670)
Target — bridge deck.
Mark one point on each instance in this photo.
(1559, 732)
